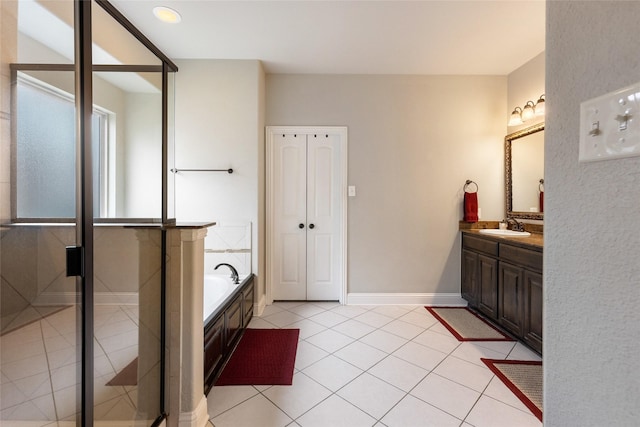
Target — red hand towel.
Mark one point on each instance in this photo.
(542, 201)
(471, 207)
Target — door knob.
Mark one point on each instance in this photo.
(300, 225)
(311, 226)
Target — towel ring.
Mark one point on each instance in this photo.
(541, 185)
(469, 182)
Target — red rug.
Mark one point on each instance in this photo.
(262, 357)
(523, 378)
(466, 325)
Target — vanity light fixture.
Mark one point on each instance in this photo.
(166, 14)
(529, 111)
(539, 108)
(516, 117)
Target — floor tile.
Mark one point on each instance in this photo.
(373, 319)
(329, 340)
(472, 352)
(403, 329)
(283, 318)
(307, 328)
(465, 373)
(332, 372)
(393, 311)
(412, 412)
(437, 341)
(398, 372)
(447, 395)
(252, 413)
(384, 341)
(260, 323)
(371, 394)
(354, 329)
(298, 398)
(522, 352)
(424, 357)
(484, 414)
(419, 317)
(306, 310)
(328, 319)
(308, 354)
(361, 355)
(438, 328)
(221, 399)
(335, 412)
(349, 310)
(271, 309)
(499, 391)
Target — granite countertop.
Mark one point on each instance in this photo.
(536, 240)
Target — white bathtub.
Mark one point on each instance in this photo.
(217, 287)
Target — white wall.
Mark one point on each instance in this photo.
(413, 141)
(220, 125)
(526, 84)
(592, 273)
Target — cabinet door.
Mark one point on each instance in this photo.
(233, 321)
(247, 303)
(469, 287)
(488, 286)
(214, 350)
(510, 291)
(532, 333)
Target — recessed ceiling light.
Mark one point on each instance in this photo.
(166, 14)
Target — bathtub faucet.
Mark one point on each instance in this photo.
(234, 272)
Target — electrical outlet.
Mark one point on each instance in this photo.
(610, 125)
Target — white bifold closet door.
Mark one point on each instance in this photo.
(307, 203)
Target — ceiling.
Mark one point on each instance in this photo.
(351, 37)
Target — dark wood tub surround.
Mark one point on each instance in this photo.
(223, 328)
(502, 279)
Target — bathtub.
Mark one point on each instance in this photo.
(217, 288)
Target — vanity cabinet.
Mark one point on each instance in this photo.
(503, 280)
(224, 329)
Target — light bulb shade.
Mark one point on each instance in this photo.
(539, 108)
(516, 117)
(527, 112)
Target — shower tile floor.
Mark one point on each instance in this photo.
(393, 366)
(38, 368)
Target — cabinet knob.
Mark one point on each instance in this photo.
(311, 226)
(300, 225)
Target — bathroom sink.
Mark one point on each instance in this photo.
(510, 233)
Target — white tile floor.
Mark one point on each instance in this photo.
(38, 366)
(393, 366)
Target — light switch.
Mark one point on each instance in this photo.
(610, 125)
(352, 191)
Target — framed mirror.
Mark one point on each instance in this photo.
(524, 173)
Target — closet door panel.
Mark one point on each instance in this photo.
(324, 207)
(290, 222)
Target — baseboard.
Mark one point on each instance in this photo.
(100, 298)
(259, 306)
(196, 418)
(440, 299)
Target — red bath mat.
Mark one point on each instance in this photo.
(262, 357)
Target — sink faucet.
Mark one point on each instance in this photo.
(517, 226)
(234, 272)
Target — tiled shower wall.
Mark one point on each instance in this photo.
(33, 269)
(228, 242)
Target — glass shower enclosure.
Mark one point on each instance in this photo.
(84, 128)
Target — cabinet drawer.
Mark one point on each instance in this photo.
(520, 256)
(481, 245)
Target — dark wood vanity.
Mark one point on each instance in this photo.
(502, 278)
(223, 329)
